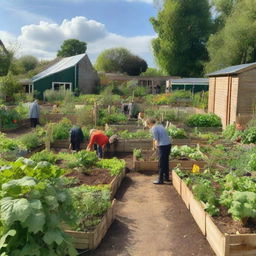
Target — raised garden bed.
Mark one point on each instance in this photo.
(153, 165)
(22, 124)
(223, 244)
(90, 240)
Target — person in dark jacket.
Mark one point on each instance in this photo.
(76, 138)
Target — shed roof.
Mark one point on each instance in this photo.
(193, 81)
(233, 69)
(63, 64)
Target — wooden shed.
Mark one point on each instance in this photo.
(70, 73)
(232, 93)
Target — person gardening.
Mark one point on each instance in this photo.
(99, 139)
(76, 138)
(34, 112)
(162, 141)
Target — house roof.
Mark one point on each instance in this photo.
(233, 69)
(63, 64)
(193, 81)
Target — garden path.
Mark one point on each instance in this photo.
(19, 132)
(151, 221)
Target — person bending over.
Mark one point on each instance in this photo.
(76, 138)
(98, 140)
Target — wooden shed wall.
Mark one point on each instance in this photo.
(87, 77)
(234, 98)
(247, 93)
(221, 95)
(211, 94)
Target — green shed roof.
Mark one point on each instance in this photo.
(63, 64)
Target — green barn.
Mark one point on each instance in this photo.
(71, 73)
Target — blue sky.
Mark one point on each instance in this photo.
(38, 27)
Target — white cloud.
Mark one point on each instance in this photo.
(44, 39)
(145, 1)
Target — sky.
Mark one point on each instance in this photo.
(39, 27)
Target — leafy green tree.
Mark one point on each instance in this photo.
(72, 47)
(5, 61)
(8, 86)
(152, 72)
(120, 60)
(28, 62)
(235, 43)
(183, 28)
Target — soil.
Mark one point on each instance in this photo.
(19, 132)
(227, 225)
(151, 220)
(93, 178)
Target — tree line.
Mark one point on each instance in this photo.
(195, 37)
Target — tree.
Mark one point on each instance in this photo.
(120, 60)
(72, 47)
(235, 43)
(6, 58)
(8, 86)
(28, 62)
(152, 72)
(183, 28)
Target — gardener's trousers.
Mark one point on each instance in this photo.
(163, 163)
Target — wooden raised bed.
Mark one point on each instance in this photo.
(153, 165)
(91, 240)
(22, 124)
(128, 145)
(115, 183)
(222, 244)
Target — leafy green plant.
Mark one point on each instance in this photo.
(114, 165)
(205, 192)
(82, 158)
(137, 154)
(90, 204)
(187, 152)
(44, 155)
(61, 129)
(140, 134)
(243, 205)
(31, 140)
(31, 216)
(249, 135)
(176, 133)
(112, 118)
(204, 120)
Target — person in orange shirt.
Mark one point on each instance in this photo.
(98, 138)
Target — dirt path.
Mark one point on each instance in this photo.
(19, 132)
(152, 221)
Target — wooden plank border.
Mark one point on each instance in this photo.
(222, 244)
(91, 240)
(115, 183)
(153, 165)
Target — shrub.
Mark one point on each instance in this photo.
(8, 117)
(45, 155)
(249, 135)
(176, 133)
(113, 118)
(61, 130)
(229, 131)
(31, 140)
(57, 96)
(204, 120)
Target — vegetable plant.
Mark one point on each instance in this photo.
(204, 120)
(31, 216)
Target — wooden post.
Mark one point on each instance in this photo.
(48, 138)
(95, 113)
